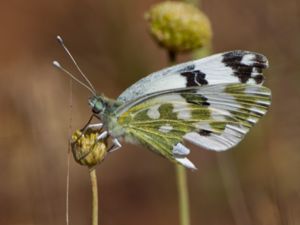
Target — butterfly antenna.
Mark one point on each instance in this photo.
(60, 67)
(61, 42)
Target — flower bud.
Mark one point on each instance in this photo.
(86, 149)
(179, 26)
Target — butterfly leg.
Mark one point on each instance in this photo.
(103, 135)
(88, 123)
(115, 142)
(115, 146)
(94, 126)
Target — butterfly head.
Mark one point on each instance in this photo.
(97, 104)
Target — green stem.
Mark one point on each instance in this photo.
(183, 195)
(94, 196)
(172, 56)
(195, 2)
(182, 186)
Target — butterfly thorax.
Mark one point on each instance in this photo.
(102, 105)
(104, 109)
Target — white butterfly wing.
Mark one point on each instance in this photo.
(229, 67)
(216, 117)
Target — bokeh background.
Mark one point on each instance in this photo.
(254, 183)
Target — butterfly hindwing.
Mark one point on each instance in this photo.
(229, 67)
(240, 105)
(215, 117)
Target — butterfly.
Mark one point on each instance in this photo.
(211, 102)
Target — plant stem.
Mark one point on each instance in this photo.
(69, 152)
(172, 57)
(182, 187)
(183, 195)
(94, 196)
(195, 2)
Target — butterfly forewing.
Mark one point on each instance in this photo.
(230, 67)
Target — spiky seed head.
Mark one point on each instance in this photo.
(86, 150)
(179, 26)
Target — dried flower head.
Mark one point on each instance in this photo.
(179, 26)
(86, 149)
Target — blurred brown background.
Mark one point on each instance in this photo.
(255, 183)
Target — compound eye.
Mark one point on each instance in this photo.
(95, 110)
